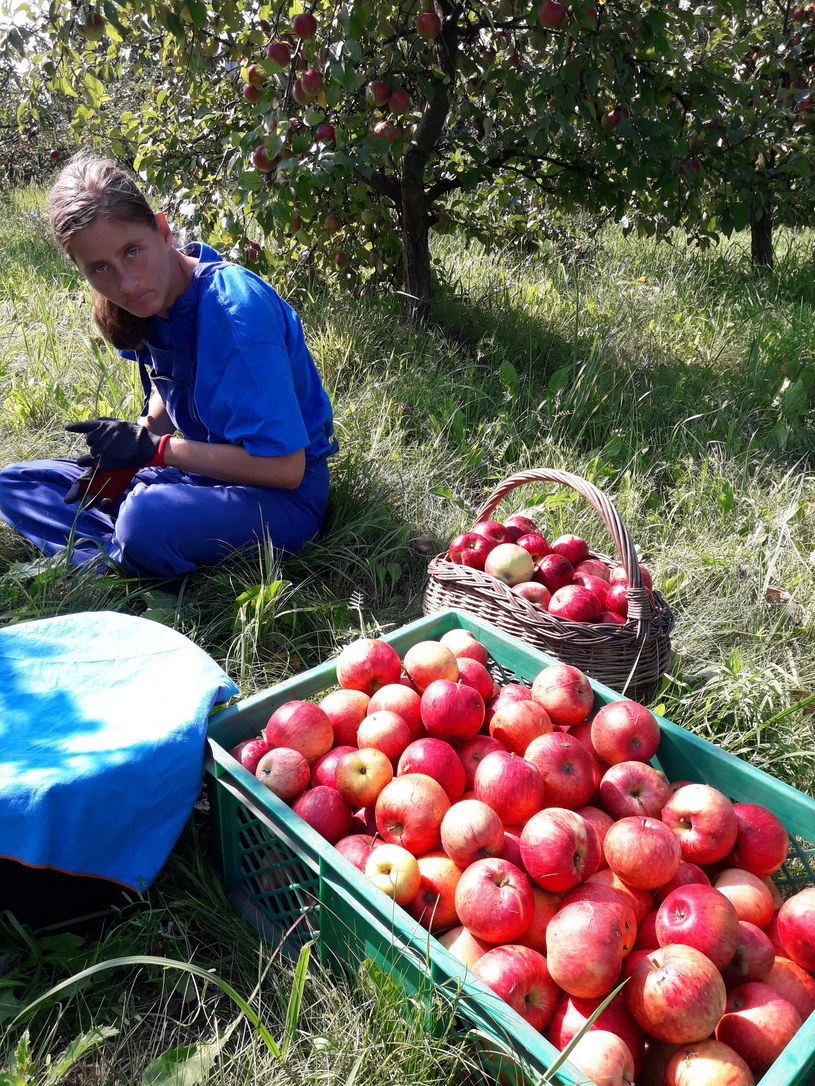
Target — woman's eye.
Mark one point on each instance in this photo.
(99, 269)
(133, 252)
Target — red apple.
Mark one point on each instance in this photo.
(494, 900)
(592, 567)
(509, 563)
(676, 994)
(518, 520)
(301, 725)
(600, 821)
(249, 753)
(312, 82)
(793, 983)
(356, 848)
(513, 787)
(463, 945)
(438, 760)
(394, 871)
(616, 601)
(533, 592)
(409, 812)
(551, 14)
(572, 548)
(304, 25)
(324, 768)
(547, 904)
(754, 957)
(469, 549)
(402, 700)
(572, 1013)
(554, 571)
(566, 767)
(758, 1023)
(537, 546)
(762, 842)
(345, 709)
(609, 618)
(471, 831)
(704, 822)
(576, 603)
(707, 1063)
(516, 723)
(427, 661)
(285, 772)
(434, 904)
(509, 692)
(603, 1057)
(597, 585)
(598, 891)
(559, 849)
(471, 752)
(619, 574)
(279, 52)
(565, 693)
(451, 710)
(700, 916)
(642, 851)
(361, 775)
(647, 933)
(428, 25)
(520, 976)
(631, 788)
(378, 92)
(750, 896)
(640, 899)
(686, 874)
(493, 530)
(366, 664)
(796, 928)
(464, 643)
(399, 102)
(475, 674)
(325, 133)
(325, 810)
(584, 948)
(386, 731)
(625, 730)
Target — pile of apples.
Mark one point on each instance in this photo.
(559, 577)
(534, 837)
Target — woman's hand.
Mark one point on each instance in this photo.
(115, 443)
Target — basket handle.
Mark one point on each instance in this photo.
(639, 606)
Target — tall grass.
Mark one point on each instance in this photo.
(673, 378)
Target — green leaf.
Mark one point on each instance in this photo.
(185, 1066)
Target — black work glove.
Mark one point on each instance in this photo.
(115, 443)
(95, 487)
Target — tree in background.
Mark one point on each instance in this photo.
(335, 136)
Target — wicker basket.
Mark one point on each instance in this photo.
(629, 658)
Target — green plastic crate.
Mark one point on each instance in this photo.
(293, 886)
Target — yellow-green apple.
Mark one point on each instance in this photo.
(600, 821)
(284, 771)
(686, 873)
(368, 663)
(494, 900)
(793, 983)
(451, 710)
(603, 1057)
(520, 976)
(619, 574)
(434, 904)
(345, 709)
(762, 841)
(324, 809)
(597, 585)
(471, 831)
(559, 849)
(547, 904)
(394, 871)
(750, 896)
(464, 643)
(533, 592)
(301, 725)
(356, 848)
(565, 693)
(515, 724)
(463, 945)
(509, 563)
(438, 760)
(493, 530)
(510, 785)
(475, 674)
(593, 567)
(249, 752)
(386, 731)
(796, 928)
(643, 851)
(632, 788)
(427, 661)
(625, 730)
(471, 752)
(700, 916)
(647, 933)
(304, 25)
(759, 1023)
(598, 891)
(616, 601)
(572, 1013)
(576, 603)
(518, 520)
(402, 700)
(707, 1063)
(409, 811)
(572, 548)
(566, 767)
(754, 957)
(469, 549)
(584, 948)
(360, 775)
(704, 822)
(641, 899)
(325, 767)
(554, 571)
(676, 993)
(534, 542)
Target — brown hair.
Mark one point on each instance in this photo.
(90, 188)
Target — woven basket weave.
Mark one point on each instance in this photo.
(629, 658)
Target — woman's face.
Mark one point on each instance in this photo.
(131, 264)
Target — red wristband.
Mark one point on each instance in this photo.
(158, 460)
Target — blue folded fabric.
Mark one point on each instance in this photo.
(103, 720)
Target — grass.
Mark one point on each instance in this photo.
(675, 379)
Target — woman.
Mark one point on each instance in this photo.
(236, 428)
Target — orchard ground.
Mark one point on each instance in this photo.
(677, 380)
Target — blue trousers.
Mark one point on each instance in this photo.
(168, 523)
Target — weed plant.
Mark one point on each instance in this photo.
(677, 380)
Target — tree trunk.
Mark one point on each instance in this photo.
(416, 245)
(761, 236)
